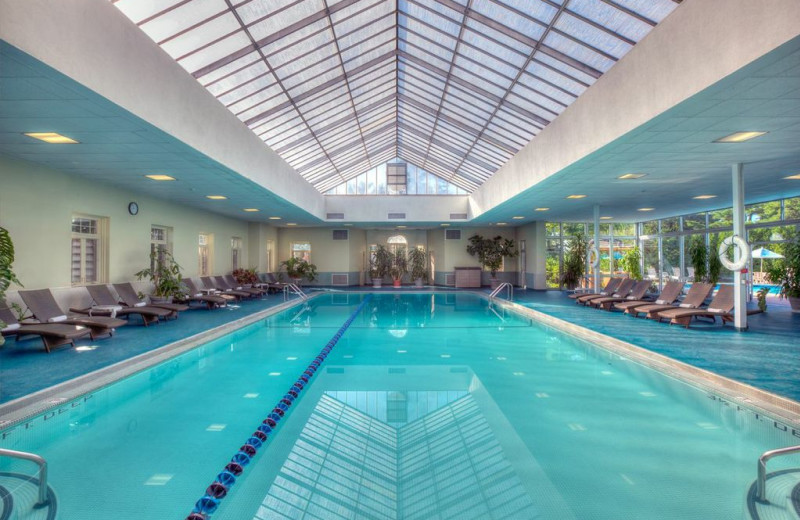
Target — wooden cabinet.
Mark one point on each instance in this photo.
(468, 276)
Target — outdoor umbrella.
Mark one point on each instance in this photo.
(762, 253)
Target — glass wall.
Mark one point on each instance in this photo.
(396, 177)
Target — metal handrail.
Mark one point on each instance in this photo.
(504, 285)
(42, 471)
(295, 289)
(761, 483)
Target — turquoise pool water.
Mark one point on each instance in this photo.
(430, 406)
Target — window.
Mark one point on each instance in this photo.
(205, 253)
(159, 245)
(236, 253)
(270, 255)
(396, 178)
(397, 243)
(89, 258)
(301, 250)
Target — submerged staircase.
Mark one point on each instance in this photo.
(775, 496)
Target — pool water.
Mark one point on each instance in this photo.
(430, 406)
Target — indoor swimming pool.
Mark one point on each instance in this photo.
(429, 406)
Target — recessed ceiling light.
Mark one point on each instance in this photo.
(274, 218)
(632, 176)
(51, 137)
(502, 224)
(444, 225)
(216, 197)
(645, 209)
(606, 218)
(348, 224)
(704, 197)
(739, 137)
(575, 196)
(251, 210)
(793, 177)
(159, 177)
(291, 224)
(401, 227)
(542, 209)
(518, 218)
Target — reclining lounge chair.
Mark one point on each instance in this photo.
(127, 295)
(697, 294)
(721, 305)
(636, 293)
(196, 295)
(611, 284)
(622, 290)
(230, 282)
(107, 305)
(214, 283)
(52, 334)
(668, 295)
(45, 309)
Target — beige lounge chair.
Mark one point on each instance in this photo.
(721, 305)
(196, 295)
(638, 291)
(52, 334)
(697, 294)
(233, 284)
(668, 295)
(621, 291)
(106, 304)
(45, 310)
(127, 295)
(608, 290)
(604, 290)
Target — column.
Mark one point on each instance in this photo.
(740, 293)
(597, 246)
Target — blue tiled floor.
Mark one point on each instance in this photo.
(767, 356)
(26, 368)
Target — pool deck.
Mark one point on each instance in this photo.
(767, 356)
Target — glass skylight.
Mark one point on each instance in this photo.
(397, 177)
(338, 87)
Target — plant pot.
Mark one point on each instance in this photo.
(161, 299)
(794, 303)
(296, 281)
(396, 283)
(418, 282)
(376, 282)
(494, 282)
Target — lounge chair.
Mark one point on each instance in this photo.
(45, 310)
(670, 293)
(52, 334)
(231, 283)
(721, 305)
(697, 294)
(636, 293)
(621, 291)
(196, 295)
(608, 290)
(218, 284)
(127, 295)
(106, 304)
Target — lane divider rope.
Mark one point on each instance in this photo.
(217, 490)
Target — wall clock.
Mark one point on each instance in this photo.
(133, 208)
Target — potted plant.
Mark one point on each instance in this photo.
(490, 252)
(786, 272)
(418, 261)
(165, 275)
(575, 261)
(399, 266)
(246, 277)
(297, 269)
(698, 253)
(381, 264)
(7, 276)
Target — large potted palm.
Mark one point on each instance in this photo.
(418, 260)
(298, 269)
(165, 275)
(786, 272)
(381, 265)
(7, 276)
(399, 266)
(490, 253)
(575, 261)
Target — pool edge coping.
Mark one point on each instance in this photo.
(28, 406)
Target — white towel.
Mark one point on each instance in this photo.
(661, 302)
(140, 304)
(13, 326)
(686, 305)
(57, 319)
(712, 309)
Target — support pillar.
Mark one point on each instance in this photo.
(597, 246)
(739, 289)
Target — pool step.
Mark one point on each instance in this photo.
(18, 496)
(783, 495)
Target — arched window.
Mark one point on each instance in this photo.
(397, 242)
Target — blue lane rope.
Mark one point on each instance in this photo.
(208, 503)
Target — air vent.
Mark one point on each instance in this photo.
(340, 279)
(340, 216)
(452, 234)
(395, 216)
(340, 234)
(450, 279)
(457, 216)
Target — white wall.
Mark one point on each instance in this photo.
(375, 208)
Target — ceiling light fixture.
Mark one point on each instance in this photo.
(444, 225)
(518, 218)
(542, 209)
(502, 224)
(291, 224)
(576, 196)
(645, 209)
(401, 227)
(704, 197)
(793, 177)
(159, 177)
(216, 197)
(51, 137)
(606, 218)
(274, 218)
(739, 137)
(251, 210)
(632, 176)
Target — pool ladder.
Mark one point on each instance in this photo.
(293, 288)
(43, 501)
(761, 483)
(505, 285)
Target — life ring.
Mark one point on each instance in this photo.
(593, 257)
(744, 253)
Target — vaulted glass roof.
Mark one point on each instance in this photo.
(338, 87)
